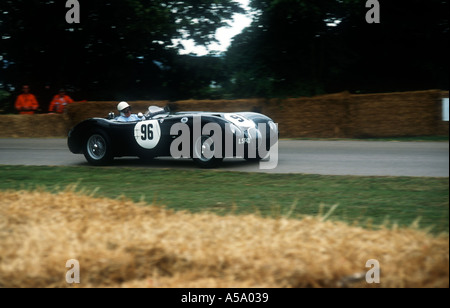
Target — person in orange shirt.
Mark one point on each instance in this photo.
(26, 103)
(59, 102)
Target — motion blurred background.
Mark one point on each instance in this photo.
(136, 50)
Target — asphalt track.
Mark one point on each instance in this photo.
(367, 158)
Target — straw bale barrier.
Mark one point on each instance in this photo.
(33, 126)
(403, 114)
(339, 115)
(123, 244)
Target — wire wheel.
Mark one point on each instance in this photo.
(98, 149)
(204, 153)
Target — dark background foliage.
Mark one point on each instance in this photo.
(124, 49)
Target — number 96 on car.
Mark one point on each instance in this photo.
(237, 297)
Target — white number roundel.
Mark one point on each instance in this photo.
(239, 120)
(147, 133)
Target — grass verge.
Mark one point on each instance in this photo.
(363, 201)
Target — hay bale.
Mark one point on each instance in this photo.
(33, 126)
(122, 244)
(340, 115)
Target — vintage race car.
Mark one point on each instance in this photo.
(205, 137)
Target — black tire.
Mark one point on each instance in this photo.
(253, 159)
(98, 148)
(146, 159)
(252, 154)
(198, 154)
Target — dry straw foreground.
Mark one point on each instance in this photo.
(122, 244)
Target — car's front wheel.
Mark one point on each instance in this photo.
(204, 153)
(97, 149)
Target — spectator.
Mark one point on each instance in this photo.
(26, 103)
(59, 102)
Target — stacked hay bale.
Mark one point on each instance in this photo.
(33, 126)
(122, 244)
(340, 115)
(396, 114)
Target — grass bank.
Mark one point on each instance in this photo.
(364, 201)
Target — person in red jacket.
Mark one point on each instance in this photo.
(26, 103)
(59, 102)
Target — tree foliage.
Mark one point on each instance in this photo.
(127, 49)
(121, 49)
(307, 47)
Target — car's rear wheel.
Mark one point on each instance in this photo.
(254, 156)
(204, 153)
(97, 149)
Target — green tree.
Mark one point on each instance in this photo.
(308, 47)
(121, 49)
(194, 77)
(282, 53)
(407, 50)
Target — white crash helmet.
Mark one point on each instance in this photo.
(122, 105)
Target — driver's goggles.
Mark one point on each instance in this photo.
(126, 110)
